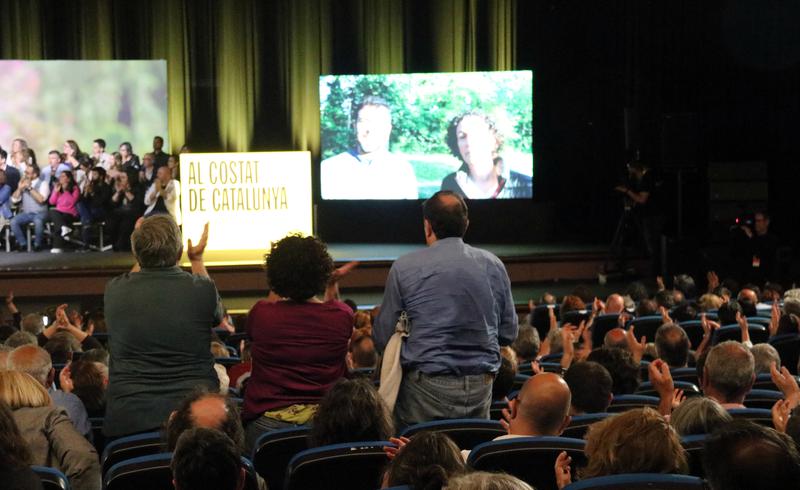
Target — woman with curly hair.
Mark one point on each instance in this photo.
(351, 411)
(474, 139)
(299, 341)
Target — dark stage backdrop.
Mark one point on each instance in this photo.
(722, 75)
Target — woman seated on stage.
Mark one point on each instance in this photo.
(129, 159)
(299, 341)
(94, 203)
(48, 432)
(64, 197)
(473, 138)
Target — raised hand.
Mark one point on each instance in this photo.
(563, 470)
(195, 252)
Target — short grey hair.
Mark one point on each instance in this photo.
(33, 360)
(764, 355)
(791, 305)
(698, 415)
(483, 480)
(730, 368)
(33, 323)
(556, 342)
(157, 242)
(17, 339)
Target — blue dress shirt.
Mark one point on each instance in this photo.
(458, 299)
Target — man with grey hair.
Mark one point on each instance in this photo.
(162, 318)
(33, 323)
(764, 355)
(17, 339)
(728, 374)
(34, 360)
(672, 345)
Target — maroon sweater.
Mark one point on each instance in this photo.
(298, 352)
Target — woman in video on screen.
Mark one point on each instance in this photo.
(474, 139)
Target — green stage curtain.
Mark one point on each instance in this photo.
(21, 34)
(238, 64)
(454, 34)
(381, 35)
(95, 41)
(306, 53)
(169, 43)
(502, 34)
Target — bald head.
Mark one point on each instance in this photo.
(209, 412)
(33, 360)
(206, 410)
(747, 294)
(542, 407)
(615, 338)
(614, 304)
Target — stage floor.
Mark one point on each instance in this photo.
(341, 252)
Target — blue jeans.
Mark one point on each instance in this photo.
(88, 215)
(21, 220)
(425, 397)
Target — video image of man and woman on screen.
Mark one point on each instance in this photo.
(408, 136)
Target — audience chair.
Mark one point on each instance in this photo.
(525, 368)
(466, 433)
(550, 367)
(496, 409)
(645, 326)
(51, 478)
(530, 459)
(98, 438)
(363, 372)
(274, 449)
(355, 466)
(689, 389)
(694, 453)
(622, 403)
(761, 416)
(221, 333)
(788, 347)
(644, 370)
(602, 324)
(234, 339)
(764, 382)
(130, 447)
(694, 330)
(579, 424)
(759, 320)
(640, 481)
(519, 380)
(575, 317)
(686, 374)
(153, 473)
(758, 334)
(552, 358)
(227, 361)
(6, 230)
(762, 398)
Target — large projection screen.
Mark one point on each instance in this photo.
(406, 136)
(49, 102)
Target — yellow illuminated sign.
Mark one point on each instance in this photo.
(248, 199)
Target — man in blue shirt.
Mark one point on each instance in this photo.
(458, 300)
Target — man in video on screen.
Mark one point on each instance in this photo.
(369, 171)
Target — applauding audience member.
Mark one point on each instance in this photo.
(64, 197)
(33, 193)
(127, 204)
(299, 341)
(161, 319)
(94, 203)
(163, 195)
